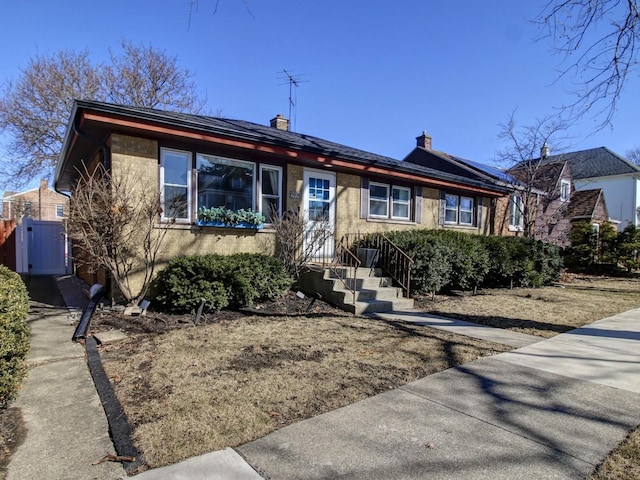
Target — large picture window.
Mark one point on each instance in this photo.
(213, 181)
(224, 182)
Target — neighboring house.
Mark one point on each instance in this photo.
(211, 162)
(558, 204)
(619, 180)
(505, 211)
(42, 203)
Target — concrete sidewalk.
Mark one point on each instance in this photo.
(550, 409)
(67, 431)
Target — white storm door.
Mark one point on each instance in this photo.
(319, 214)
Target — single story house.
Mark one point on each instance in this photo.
(211, 162)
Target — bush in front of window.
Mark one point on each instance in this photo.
(230, 218)
(223, 281)
(14, 334)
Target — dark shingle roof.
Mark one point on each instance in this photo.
(545, 178)
(584, 202)
(595, 162)
(241, 129)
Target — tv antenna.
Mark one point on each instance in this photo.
(293, 81)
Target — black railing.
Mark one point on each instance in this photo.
(390, 258)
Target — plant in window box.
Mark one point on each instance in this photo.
(223, 217)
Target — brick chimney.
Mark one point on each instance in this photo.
(280, 123)
(424, 140)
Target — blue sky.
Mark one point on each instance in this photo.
(373, 74)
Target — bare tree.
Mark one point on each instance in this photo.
(147, 77)
(597, 39)
(521, 158)
(297, 240)
(634, 155)
(35, 108)
(114, 224)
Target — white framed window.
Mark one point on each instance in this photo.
(389, 201)
(59, 211)
(516, 211)
(565, 190)
(213, 181)
(458, 210)
(378, 200)
(401, 203)
(225, 182)
(175, 181)
(270, 191)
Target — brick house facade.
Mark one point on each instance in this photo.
(42, 203)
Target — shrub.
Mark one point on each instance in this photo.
(232, 281)
(14, 333)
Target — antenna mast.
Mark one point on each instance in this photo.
(293, 81)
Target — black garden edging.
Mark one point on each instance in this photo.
(119, 428)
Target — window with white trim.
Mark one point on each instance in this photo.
(565, 190)
(270, 188)
(175, 179)
(458, 210)
(189, 182)
(389, 201)
(59, 211)
(516, 211)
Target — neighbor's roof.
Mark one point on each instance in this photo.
(584, 203)
(251, 132)
(594, 162)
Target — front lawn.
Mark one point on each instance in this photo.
(192, 389)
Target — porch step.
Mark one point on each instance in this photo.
(374, 293)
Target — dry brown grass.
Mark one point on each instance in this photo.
(545, 311)
(197, 389)
(204, 388)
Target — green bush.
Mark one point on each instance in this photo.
(232, 281)
(450, 260)
(14, 333)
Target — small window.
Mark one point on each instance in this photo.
(458, 210)
(59, 211)
(515, 212)
(175, 184)
(270, 188)
(378, 200)
(565, 190)
(401, 201)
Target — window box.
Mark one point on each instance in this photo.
(204, 223)
(223, 217)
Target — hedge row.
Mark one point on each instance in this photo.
(224, 281)
(14, 333)
(446, 260)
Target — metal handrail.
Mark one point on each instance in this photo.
(345, 260)
(396, 263)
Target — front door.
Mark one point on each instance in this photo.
(319, 214)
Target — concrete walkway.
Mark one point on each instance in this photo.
(67, 431)
(549, 409)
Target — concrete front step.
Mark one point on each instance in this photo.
(374, 293)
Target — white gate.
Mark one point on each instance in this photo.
(42, 248)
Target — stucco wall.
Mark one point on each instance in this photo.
(621, 194)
